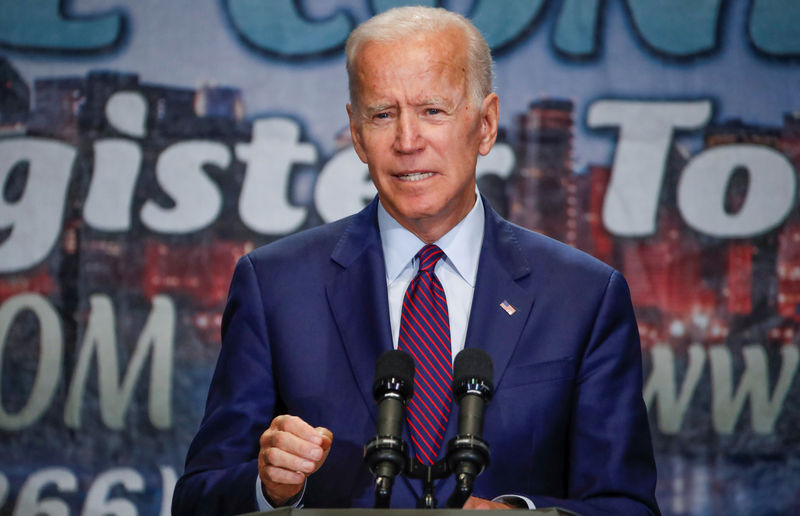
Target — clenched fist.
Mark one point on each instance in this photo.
(291, 450)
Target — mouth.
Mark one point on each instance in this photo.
(413, 176)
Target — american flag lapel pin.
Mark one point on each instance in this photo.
(510, 310)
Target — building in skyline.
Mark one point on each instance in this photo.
(57, 103)
(601, 245)
(14, 99)
(538, 191)
(746, 259)
(788, 257)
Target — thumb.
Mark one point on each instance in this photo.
(327, 437)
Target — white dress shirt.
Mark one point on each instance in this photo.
(456, 271)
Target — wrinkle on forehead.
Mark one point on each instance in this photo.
(397, 68)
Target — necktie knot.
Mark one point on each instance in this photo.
(429, 256)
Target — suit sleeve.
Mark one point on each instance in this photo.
(221, 464)
(612, 470)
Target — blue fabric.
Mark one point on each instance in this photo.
(307, 318)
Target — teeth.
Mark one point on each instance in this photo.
(417, 176)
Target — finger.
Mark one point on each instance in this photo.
(300, 428)
(294, 435)
(293, 445)
(327, 437)
(271, 475)
(282, 459)
(475, 503)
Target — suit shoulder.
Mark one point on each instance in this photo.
(557, 258)
(302, 246)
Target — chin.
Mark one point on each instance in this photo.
(417, 211)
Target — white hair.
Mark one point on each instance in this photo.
(405, 22)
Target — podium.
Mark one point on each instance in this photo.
(290, 511)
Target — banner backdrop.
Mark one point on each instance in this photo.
(146, 145)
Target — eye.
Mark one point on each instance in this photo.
(433, 111)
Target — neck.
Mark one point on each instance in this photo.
(431, 229)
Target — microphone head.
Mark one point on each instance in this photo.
(473, 372)
(394, 372)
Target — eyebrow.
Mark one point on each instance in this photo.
(429, 101)
(436, 101)
(448, 105)
(378, 107)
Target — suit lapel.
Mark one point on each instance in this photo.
(491, 328)
(358, 299)
(501, 267)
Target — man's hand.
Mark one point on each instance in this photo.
(291, 450)
(473, 502)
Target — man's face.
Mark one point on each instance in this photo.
(418, 129)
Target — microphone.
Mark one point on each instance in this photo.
(468, 453)
(386, 453)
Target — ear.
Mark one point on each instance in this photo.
(355, 134)
(490, 114)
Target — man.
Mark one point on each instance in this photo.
(290, 406)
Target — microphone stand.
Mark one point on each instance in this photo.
(386, 456)
(467, 456)
(427, 474)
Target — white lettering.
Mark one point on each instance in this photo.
(100, 341)
(29, 502)
(500, 161)
(97, 501)
(3, 489)
(116, 168)
(770, 193)
(126, 111)
(660, 386)
(168, 481)
(645, 135)
(35, 219)
(270, 156)
(197, 198)
(50, 353)
(343, 186)
(753, 383)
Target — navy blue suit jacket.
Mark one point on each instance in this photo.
(307, 317)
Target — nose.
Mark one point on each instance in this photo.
(408, 139)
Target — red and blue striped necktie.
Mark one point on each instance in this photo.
(425, 334)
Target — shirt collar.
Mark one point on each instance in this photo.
(461, 245)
